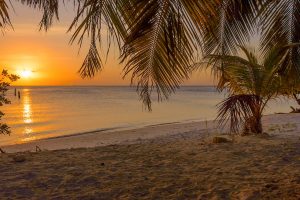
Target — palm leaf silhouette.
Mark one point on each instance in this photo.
(159, 40)
(4, 15)
(281, 26)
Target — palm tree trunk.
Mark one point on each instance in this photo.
(253, 125)
(257, 126)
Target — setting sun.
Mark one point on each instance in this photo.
(26, 74)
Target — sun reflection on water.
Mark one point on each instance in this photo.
(28, 139)
(27, 115)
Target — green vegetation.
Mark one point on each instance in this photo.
(5, 81)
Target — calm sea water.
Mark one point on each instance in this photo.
(44, 112)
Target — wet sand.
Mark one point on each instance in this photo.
(175, 161)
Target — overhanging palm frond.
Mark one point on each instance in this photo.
(92, 62)
(4, 16)
(231, 24)
(88, 23)
(161, 45)
(281, 26)
(290, 83)
(49, 9)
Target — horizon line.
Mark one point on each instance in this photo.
(100, 86)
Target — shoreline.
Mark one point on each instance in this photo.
(109, 136)
(128, 136)
(106, 130)
(113, 129)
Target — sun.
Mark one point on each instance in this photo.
(26, 73)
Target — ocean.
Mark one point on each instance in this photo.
(45, 112)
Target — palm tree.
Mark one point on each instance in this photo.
(159, 40)
(250, 84)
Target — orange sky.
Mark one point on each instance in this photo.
(50, 57)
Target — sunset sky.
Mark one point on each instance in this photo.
(48, 59)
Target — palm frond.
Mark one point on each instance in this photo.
(92, 18)
(250, 75)
(49, 9)
(4, 15)
(159, 50)
(236, 109)
(92, 63)
(233, 72)
(231, 24)
(281, 26)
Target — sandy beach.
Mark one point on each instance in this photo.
(171, 161)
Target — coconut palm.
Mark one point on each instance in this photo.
(250, 82)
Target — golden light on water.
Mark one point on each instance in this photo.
(27, 113)
(27, 116)
(28, 139)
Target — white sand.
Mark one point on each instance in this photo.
(286, 124)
